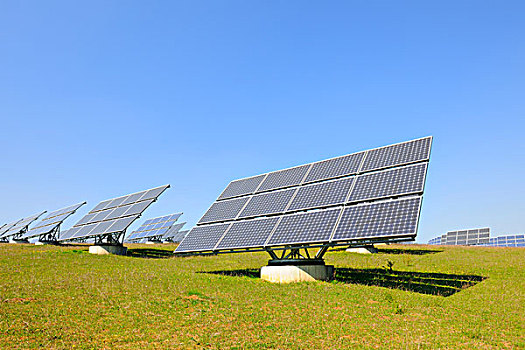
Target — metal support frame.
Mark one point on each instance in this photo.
(115, 238)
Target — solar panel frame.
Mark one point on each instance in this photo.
(21, 225)
(272, 182)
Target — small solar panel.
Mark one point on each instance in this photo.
(224, 210)
(245, 234)
(398, 154)
(388, 183)
(202, 238)
(242, 187)
(335, 167)
(284, 178)
(390, 218)
(307, 227)
(322, 194)
(267, 203)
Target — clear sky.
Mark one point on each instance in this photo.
(102, 98)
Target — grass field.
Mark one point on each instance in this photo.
(432, 297)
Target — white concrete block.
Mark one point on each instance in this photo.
(290, 273)
(108, 249)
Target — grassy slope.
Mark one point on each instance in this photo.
(60, 297)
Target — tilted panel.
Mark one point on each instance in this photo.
(322, 194)
(309, 227)
(267, 203)
(241, 187)
(388, 183)
(179, 236)
(248, 234)
(284, 178)
(336, 167)
(21, 225)
(202, 238)
(399, 154)
(391, 218)
(224, 210)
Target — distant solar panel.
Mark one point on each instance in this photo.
(18, 228)
(463, 237)
(179, 236)
(174, 233)
(368, 196)
(48, 228)
(154, 228)
(110, 218)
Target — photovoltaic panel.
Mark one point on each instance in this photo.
(267, 203)
(395, 182)
(154, 227)
(390, 218)
(114, 215)
(309, 200)
(202, 238)
(284, 178)
(174, 231)
(179, 236)
(6, 227)
(336, 167)
(309, 227)
(51, 221)
(398, 154)
(242, 187)
(20, 226)
(322, 194)
(224, 210)
(245, 234)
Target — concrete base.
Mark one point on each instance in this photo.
(108, 249)
(290, 273)
(363, 250)
(19, 241)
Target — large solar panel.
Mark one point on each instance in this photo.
(52, 221)
(156, 227)
(15, 230)
(179, 236)
(371, 195)
(174, 232)
(113, 216)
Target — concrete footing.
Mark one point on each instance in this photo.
(363, 250)
(108, 249)
(291, 273)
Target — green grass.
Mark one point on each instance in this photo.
(403, 297)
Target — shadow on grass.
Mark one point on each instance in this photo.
(419, 282)
(149, 253)
(252, 273)
(408, 251)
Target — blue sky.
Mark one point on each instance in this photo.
(102, 98)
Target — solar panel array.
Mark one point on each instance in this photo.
(463, 237)
(506, 241)
(156, 227)
(367, 195)
(17, 228)
(113, 216)
(51, 221)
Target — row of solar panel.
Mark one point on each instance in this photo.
(381, 219)
(380, 158)
(98, 228)
(15, 228)
(174, 217)
(388, 183)
(129, 199)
